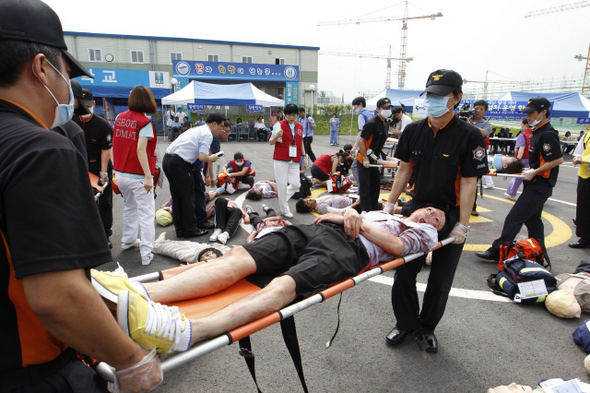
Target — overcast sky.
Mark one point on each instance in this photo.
(471, 37)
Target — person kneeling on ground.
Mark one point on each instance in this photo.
(239, 170)
(262, 189)
(327, 204)
(326, 164)
(289, 264)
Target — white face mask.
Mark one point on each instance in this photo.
(63, 112)
(88, 116)
(358, 111)
(534, 123)
(239, 163)
(386, 113)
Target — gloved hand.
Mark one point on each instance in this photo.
(390, 207)
(366, 162)
(459, 233)
(528, 175)
(143, 376)
(104, 177)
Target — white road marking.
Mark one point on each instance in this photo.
(550, 199)
(456, 292)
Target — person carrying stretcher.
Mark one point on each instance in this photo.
(291, 263)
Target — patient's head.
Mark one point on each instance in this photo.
(508, 164)
(306, 205)
(429, 215)
(254, 193)
(208, 254)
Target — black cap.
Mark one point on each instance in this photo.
(79, 94)
(34, 21)
(443, 82)
(536, 104)
(384, 102)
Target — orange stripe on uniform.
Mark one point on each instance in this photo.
(37, 344)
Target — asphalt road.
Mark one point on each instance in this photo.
(484, 340)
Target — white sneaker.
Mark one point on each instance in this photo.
(265, 208)
(223, 238)
(508, 196)
(145, 261)
(153, 325)
(288, 215)
(487, 186)
(126, 246)
(215, 235)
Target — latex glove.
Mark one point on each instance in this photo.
(530, 174)
(143, 376)
(390, 207)
(366, 162)
(104, 177)
(459, 234)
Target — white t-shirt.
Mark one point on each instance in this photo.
(335, 201)
(192, 142)
(403, 122)
(415, 236)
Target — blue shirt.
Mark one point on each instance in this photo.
(364, 117)
(334, 121)
(307, 130)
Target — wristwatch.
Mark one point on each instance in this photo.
(465, 228)
(207, 175)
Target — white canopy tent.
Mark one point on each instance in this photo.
(230, 95)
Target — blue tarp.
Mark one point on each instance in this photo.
(123, 91)
(564, 104)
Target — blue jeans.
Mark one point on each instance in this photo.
(333, 137)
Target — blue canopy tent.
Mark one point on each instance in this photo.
(564, 104)
(230, 95)
(396, 96)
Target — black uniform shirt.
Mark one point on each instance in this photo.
(545, 147)
(99, 136)
(377, 129)
(439, 161)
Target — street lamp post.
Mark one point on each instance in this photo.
(312, 88)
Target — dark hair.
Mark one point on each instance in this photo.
(348, 161)
(397, 109)
(482, 103)
(239, 120)
(347, 147)
(142, 100)
(567, 133)
(524, 120)
(301, 109)
(548, 112)
(215, 118)
(456, 93)
(216, 251)
(335, 114)
(227, 123)
(291, 109)
(251, 194)
(515, 166)
(238, 156)
(301, 207)
(359, 101)
(15, 54)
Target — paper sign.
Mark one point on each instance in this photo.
(329, 185)
(530, 289)
(571, 386)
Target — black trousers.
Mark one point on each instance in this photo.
(105, 202)
(369, 183)
(199, 195)
(527, 210)
(180, 176)
(404, 297)
(307, 141)
(583, 210)
(255, 218)
(226, 218)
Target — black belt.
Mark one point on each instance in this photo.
(31, 375)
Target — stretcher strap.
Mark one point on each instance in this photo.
(248, 355)
(329, 343)
(290, 338)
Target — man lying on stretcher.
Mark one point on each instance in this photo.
(291, 263)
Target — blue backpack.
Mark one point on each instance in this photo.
(517, 270)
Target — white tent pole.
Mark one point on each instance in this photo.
(350, 134)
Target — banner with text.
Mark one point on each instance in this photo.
(292, 93)
(237, 71)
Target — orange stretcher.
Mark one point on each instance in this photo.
(200, 307)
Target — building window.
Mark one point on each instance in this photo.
(94, 54)
(246, 59)
(175, 56)
(137, 56)
(279, 61)
(214, 58)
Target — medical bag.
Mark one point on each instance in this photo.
(526, 249)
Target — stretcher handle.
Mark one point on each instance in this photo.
(515, 175)
(382, 166)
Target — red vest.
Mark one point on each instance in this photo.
(324, 162)
(528, 135)
(127, 127)
(282, 148)
(236, 168)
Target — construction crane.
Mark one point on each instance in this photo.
(401, 82)
(560, 8)
(586, 83)
(485, 82)
(372, 56)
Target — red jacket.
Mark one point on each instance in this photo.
(125, 133)
(528, 135)
(324, 162)
(282, 148)
(236, 168)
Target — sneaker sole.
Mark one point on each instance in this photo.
(105, 293)
(123, 312)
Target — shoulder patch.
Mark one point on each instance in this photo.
(479, 153)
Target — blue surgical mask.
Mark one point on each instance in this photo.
(436, 106)
(497, 163)
(63, 112)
